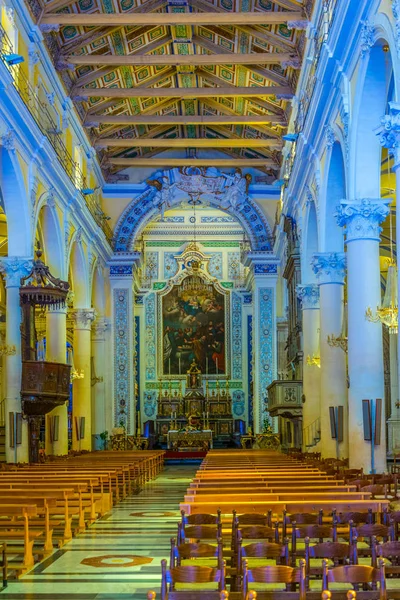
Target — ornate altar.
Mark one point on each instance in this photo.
(45, 385)
(202, 440)
(212, 409)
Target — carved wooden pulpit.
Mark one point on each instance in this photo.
(45, 385)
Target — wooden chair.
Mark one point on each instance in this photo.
(301, 519)
(265, 550)
(198, 532)
(375, 490)
(253, 532)
(201, 519)
(339, 553)
(313, 532)
(351, 595)
(190, 574)
(392, 519)
(370, 530)
(356, 575)
(274, 574)
(224, 595)
(252, 518)
(356, 517)
(389, 551)
(193, 551)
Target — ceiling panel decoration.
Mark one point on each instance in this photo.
(192, 45)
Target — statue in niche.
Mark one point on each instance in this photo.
(236, 194)
(164, 195)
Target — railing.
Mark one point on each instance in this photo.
(312, 433)
(47, 123)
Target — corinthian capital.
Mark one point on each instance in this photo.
(362, 218)
(14, 268)
(389, 130)
(309, 296)
(329, 267)
(83, 317)
(99, 328)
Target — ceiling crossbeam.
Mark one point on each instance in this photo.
(194, 92)
(187, 143)
(189, 162)
(95, 120)
(183, 18)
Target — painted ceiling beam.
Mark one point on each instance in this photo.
(94, 120)
(258, 58)
(296, 18)
(190, 162)
(186, 143)
(194, 92)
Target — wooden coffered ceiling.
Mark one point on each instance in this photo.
(193, 76)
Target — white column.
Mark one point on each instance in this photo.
(81, 396)
(366, 376)
(56, 351)
(99, 416)
(389, 135)
(309, 296)
(330, 268)
(14, 269)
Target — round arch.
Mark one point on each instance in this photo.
(331, 238)
(16, 205)
(310, 243)
(79, 275)
(51, 236)
(141, 211)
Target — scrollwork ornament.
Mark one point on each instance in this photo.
(329, 136)
(362, 218)
(329, 267)
(389, 131)
(308, 294)
(367, 38)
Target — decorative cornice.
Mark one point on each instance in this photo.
(83, 318)
(309, 296)
(329, 136)
(14, 268)
(362, 218)
(329, 267)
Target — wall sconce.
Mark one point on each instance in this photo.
(314, 361)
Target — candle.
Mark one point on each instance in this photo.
(169, 366)
(206, 365)
(139, 425)
(179, 365)
(216, 365)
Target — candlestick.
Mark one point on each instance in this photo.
(206, 365)
(179, 365)
(169, 366)
(216, 365)
(139, 424)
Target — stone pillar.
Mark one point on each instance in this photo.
(309, 296)
(389, 136)
(81, 395)
(330, 268)
(362, 220)
(264, 332)
(14, 269)
(123, 390)
(56, 351)
(98, 380)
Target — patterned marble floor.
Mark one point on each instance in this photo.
(119, 556)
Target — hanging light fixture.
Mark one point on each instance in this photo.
(387, 313)
(194, 283)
